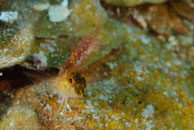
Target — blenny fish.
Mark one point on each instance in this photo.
(70, 81)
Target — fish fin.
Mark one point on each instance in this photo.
(78, 55)
(70, 62)
(37, 76)
(87, 43)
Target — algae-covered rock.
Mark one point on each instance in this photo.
(133, 80)
(16, 34)
(150, 89)
(20, 117)
(133, 2)
(184, 45)
(184, 8)
(160, 19)
(44, 99)
(17, 48)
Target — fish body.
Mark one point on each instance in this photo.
(70, 81)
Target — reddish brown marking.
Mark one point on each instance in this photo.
(78, 55)
(82, 51)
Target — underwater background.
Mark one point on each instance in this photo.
(97, 64)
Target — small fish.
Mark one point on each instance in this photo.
(70, 81)
(70, 85)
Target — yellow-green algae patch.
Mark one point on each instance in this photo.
(149, 89)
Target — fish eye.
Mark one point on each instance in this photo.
(70, 80)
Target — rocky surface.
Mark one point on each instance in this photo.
(138, 66)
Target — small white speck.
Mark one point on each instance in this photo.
(148, 111)
(173, 94)
(88, 6)
(64, 3)
(69, 108)
(112, 65)
(136, 120)
(1, 74)
(42, 58)
(48, 107)
(166, 94)
(172, 40)
(140, 78)
(144, 39)
(61, 113)
(149, 124)
(128, 124)
(8, 16)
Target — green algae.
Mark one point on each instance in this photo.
(48, 29)
(51, 53)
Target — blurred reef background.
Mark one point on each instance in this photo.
(139, 70)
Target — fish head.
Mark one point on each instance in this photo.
(71, 84)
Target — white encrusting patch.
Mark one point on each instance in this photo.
(148, 111)
(59, 13)
(41, 6)
(8, 16)
(41, 56)
(65, 3)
